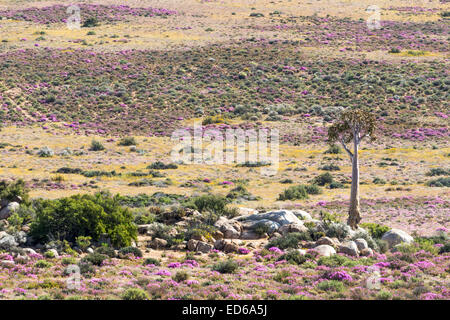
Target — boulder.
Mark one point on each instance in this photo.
(192, 245)
(247, 211)
(20, 237)
(29, 251)
(327, 241)
(325, 250)
(301, 251)
(90, 250)
(395, 236)
(217, 235)
(350, 248)
(7, 241)
(302, 215)
(230, 247)
(292, 227)
(219, 244)
(361, 244)
(158, 243)
(204, 247)
(7, 211)
(56, 254)
(281, 217)
(231, 229)
(143, 228)
(366, 252)
(250, 235)
(271, 226)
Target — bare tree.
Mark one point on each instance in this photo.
(352, 127)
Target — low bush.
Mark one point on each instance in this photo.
(130, 250)
(95, 258)
(228, 266)
(135, 294)
(293, 257)
(128, 141)
(375, 230)
(96, 146)
(84, 215)
(291, 240)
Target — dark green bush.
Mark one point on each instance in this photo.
(13, 191)
(128, 141)
(158, 165)
(323, 179)
(294, 193)
(228, 266)
(376, 230)
(291, 240)
(84, 215)
(95, 258)
(440, 182)
(293, 257)
(135, 294)
(438, 172)
(333, 149)
(96, 146)
(181, 276)
(151, 261)
(130, 250)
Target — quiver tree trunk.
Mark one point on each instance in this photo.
(354, 216)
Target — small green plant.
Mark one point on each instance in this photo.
(83, 242)
(130, 250)
(135, 294)
(290, 240)
(228, 266)
(95, 258)
(42, 264)
(293, 257)
(153, 261)
(294, 193)
(376, 230)
(331, 285)
(181, 276)
(96, 146)
(128, 141)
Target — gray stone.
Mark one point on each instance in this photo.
(271, 226)
(350, 248)
(230, 247)
(192, 245)
(325, 250)
(395, 236)
(302, 215)
(90, 250)
(250, 235)
(204, 247)
(231, 229)
(361, 244)
(20, 237)
(301, 251)
(219, 244)
(326, 240)
(157, 243)
(366, 252)
(292, 227)
(7, 241)
(144, 228)
(7, 211)
(281, 217)
(29, 251)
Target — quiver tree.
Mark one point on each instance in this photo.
(352, 127)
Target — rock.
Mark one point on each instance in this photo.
(366, 252)
(20, 237)
(198, 237)
(230, 247)
(144, 228)
(219, 244)
(7, 263)
(361, 244)
(325, 250)
(396, 236)
(90, 250)
(281, 217)
(292, 227)
(231, 229)
(350, 248)
(192, 245)
(302, 215)
(204, 247)
(25, 229)
(271, 226)
(247, 211)
(275, 235)
(217, 235)
(7, 241)
(301, 251)
(157, 243)
(250, 235)
(7, 211)
(29, 251)
(326, 240)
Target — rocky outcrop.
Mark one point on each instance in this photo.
(396, 236)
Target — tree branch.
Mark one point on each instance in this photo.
(346, 149)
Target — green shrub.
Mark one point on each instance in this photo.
(181, 276)
(96, 146)
(49, 254)
(95, 258)
(375, 230)
(228, 266)
(130, 250)
(68, 260)
(86, 268)
(333, 261)
(84, 215)
(83, 242)
(384, 295)
(440, 182)
(330, 167)
(333, 149)
(293, 257)
(438, 172)
(90, 22)
(128, 141)
(216, 205)
(158, 165)
(323, 179)
(110, 252)
(42, 264)
(154, 261)
(13, 191)
(290, 240)
(331, 285)
(294, 193)
(135, 294)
